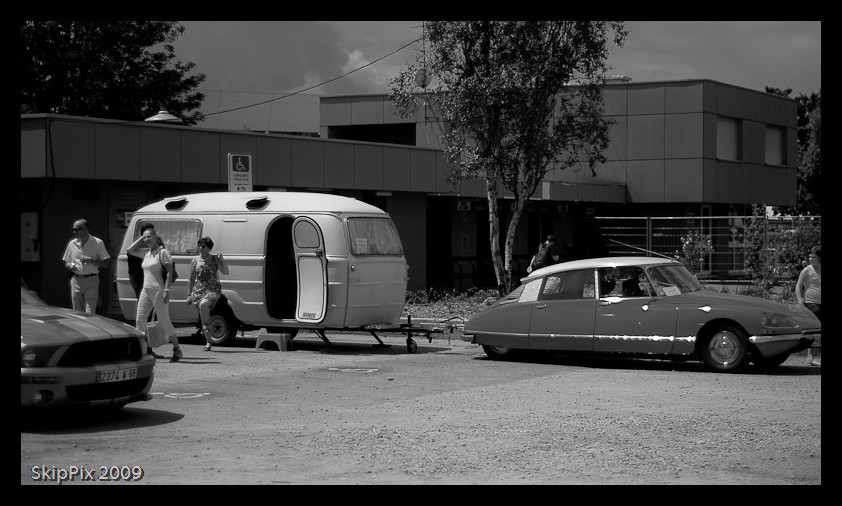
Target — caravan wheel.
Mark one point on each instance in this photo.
(223, 326)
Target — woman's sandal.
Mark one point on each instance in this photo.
(176, 355)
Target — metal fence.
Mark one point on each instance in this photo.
(663, 235)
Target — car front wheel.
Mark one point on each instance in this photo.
(725, 350)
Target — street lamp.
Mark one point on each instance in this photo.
(164, 117)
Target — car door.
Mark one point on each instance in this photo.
(311, 266)
(632, 321)
(562, 317)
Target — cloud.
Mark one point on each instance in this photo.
(262, 58)
(752, 54)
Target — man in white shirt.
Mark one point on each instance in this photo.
(83, 257)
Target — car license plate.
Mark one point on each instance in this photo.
(118, 375)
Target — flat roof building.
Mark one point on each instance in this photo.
(677, 148)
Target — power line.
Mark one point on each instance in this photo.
(317, 85)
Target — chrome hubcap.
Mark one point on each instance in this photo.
(724, 347)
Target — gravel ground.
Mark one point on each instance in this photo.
(448, 415)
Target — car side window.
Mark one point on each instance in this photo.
(589, 291)
(569, 285)
(530, 291)
(635, 283)
(608, 286)
(624, 282)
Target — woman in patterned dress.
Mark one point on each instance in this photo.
(204, 287)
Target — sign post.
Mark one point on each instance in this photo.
(239, 172)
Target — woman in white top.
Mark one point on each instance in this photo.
(156, 289)
(808, 291)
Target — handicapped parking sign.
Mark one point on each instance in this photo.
(239, 172)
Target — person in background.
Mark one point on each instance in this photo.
(204, 287)
(156, 288)
(808, 291)
(547, 254)
(83, 257)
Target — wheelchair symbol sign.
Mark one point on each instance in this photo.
(239, 172)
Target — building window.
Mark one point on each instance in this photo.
(775, 146)
(728, 145)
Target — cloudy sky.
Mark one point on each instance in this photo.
(252, 61)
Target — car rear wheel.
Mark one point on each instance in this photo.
(223, 325)
(498, 352)
(725, 350)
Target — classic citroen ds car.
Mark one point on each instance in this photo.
(640, 306)
(70, 359)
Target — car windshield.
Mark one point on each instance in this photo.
(672, 280)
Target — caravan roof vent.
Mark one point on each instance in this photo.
(257, 203)
(176, 204)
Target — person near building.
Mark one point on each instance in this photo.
(808, 291)
(155, 294)
(83, 257)
(204, 287)
(547, 254)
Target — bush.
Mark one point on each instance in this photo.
(774, 255)
(784, 293)
(444, 304)
(695, 248)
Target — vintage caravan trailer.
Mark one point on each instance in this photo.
(296, 261)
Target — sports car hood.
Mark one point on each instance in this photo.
(48, 325)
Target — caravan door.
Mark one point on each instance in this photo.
(311, 264)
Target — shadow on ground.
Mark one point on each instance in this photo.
(793, 367)
(88, 420)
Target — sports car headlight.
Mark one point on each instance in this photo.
(36, 357)
(28, 358)
(776, 320)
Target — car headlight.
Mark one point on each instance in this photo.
(36, 357)
(28, 358)
(776, 320)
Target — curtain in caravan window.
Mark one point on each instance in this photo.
(727, 138)
(180, 236)
(374, 236)
(774, 145)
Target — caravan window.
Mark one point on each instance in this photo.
(180, 235)
(374, 236)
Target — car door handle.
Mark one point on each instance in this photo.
(540, 306)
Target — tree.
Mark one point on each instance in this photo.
(503, 92)
(809, 142)
(115, 69)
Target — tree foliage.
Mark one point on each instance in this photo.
(809, 140)
(502, 90)
(115, 69)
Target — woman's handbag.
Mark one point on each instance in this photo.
(155, 332)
